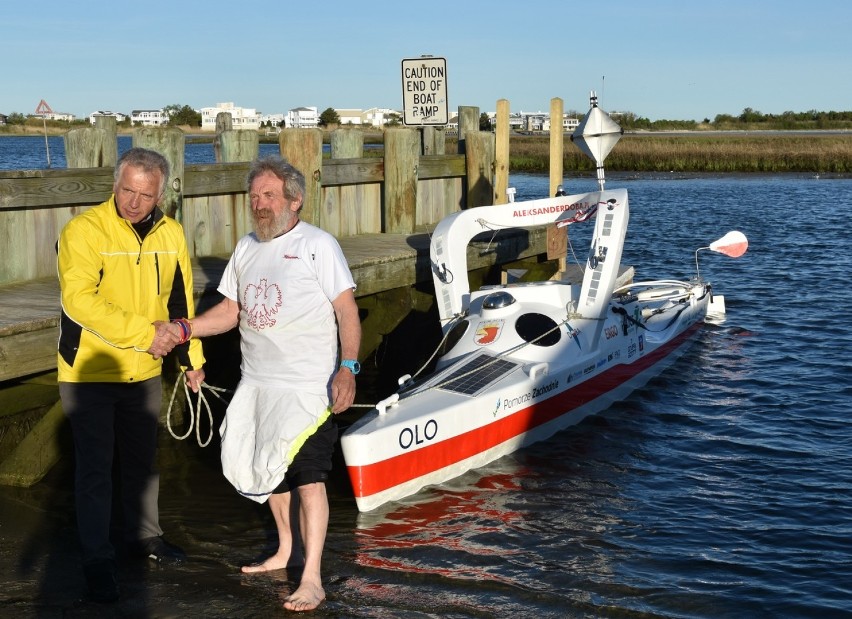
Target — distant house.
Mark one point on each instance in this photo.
(303, 117)
(149, 118)
(516, 121)
(119, 117)
(375, 116)
(568, 124)
(58, 116)
(349, 116)
(535, 122)
(241, 117)
(273, 120)
(379, 117)
(3, 118)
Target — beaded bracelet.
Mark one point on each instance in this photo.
(185, 327)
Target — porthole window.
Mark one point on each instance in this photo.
(532, 326)
(456, 333)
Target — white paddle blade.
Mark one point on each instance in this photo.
(733, 244)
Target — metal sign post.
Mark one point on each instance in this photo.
(43, 109)
(424, 91)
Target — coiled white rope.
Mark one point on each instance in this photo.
(194, 411)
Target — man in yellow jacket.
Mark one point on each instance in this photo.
(125, 274)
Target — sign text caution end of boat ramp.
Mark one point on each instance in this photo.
(424, 91)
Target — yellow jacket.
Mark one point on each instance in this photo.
(114, 286)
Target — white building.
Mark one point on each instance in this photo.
(302, 118)
(568, 124)
(379, 117)
(375, 116)
(274, 120)
(58, 116)
(119, 117)
(149, 118)
(241, 117)
(516, 121)
(349, 116)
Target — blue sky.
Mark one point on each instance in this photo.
(659, 59)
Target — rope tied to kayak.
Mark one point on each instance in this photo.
(408, 392)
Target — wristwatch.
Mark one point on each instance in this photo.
(352, 365)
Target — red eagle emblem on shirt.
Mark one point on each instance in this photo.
(261, 302)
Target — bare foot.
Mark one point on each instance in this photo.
(307, 597)
(275, 562)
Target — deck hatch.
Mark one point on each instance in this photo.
(477, 374)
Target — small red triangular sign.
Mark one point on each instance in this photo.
(43, 108)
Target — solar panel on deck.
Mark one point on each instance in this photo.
(475, 375)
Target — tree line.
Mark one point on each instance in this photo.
(749, 119)
(178, 115)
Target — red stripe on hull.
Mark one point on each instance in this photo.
(373, 478)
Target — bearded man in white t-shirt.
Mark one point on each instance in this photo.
(289, 288)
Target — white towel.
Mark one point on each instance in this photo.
(264, 428)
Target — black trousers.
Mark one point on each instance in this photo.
(108, 418)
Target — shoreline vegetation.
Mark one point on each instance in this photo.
(717, 151)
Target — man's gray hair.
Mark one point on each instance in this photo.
(293, 181)
(148, 160)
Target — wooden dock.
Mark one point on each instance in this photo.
(29, 311)
(378, 209)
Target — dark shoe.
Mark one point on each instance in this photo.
(159, 550)
(102, 580)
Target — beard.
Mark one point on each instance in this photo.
(267, 225)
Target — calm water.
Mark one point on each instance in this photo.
(29, 152)
(721, 489)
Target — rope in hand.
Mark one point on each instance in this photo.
(194, 411)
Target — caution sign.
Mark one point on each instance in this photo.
(43, 109)
(424, 91)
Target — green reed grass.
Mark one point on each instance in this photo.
(697, 153)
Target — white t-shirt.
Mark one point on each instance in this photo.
(284, 288)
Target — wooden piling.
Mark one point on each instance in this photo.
(436, 197)
(402, 152)
(215, 222)
(557, 238)
(238, 145)
(468, 121)
(479, 156)
(303, 149)
(348, 210)
(224, 122)
(87, 147)
(170, 143)
(501, 152)
(109, 124)
(556, 144)
(90, 147)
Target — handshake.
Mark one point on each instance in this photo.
(167, 335)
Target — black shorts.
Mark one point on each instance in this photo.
(313, 461)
